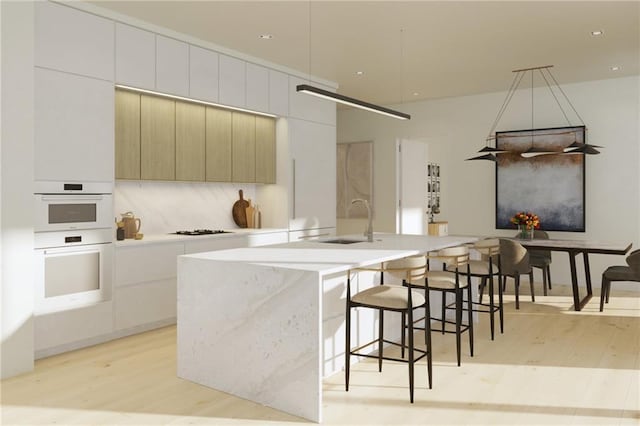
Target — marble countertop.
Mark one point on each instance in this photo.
(173, 238)
(327, 258)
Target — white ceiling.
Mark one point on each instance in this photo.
(435, 49)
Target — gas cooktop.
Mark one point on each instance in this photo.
(203, 232)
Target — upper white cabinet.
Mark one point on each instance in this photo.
(308, 107)
(172, 66)
(135, 57)
(74, 130)
(203, 74)
(232, 81)
(69, 40)
(313, 185)
(257, 87)
(278, 93)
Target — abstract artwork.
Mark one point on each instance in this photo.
(551, 186)
(354, 178)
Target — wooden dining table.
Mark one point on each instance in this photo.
(574, 248)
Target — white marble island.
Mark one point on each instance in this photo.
(267, 323)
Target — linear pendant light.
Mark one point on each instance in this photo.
(346, 100)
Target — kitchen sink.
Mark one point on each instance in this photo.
(342, 241)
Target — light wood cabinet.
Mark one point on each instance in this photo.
(157, 138)
(218, 145)
(127, 135)
(163, 139)
(243, 152)
(190, 141)
(265, 150)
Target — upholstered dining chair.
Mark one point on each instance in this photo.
(620, 273)
(394, 298)
(514, 261)
(541, 259)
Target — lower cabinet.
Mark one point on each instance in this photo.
(145, 285)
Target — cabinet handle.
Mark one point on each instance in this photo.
(293, 162)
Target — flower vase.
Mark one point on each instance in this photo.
(525, 232)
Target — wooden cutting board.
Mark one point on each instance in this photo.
(250, 219)
(239, 211)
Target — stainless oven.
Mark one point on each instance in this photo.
(73, 269)
(61, 206)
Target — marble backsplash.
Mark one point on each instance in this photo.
(171, 206)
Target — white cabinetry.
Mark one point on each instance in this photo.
(308, 107)
(232, 81)
(145, 286)
(257, 88)
(203, 74)
(135, 57)
(172, 66)
(69, 40)
(74, 133)
(278, 93)
(313, 183)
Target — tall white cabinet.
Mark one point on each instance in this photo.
(313, 179)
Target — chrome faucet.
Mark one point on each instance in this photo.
(369, 231)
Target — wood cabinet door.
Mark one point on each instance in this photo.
(243, 168)
(157, 138)
(265, 150)
(218, 145)
(127, 135)
(190, 141)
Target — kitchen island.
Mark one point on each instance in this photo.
(267, 323)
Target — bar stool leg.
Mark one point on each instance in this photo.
(427, 339)
(444, 308)
(347, 345)
(500, 304)
(380, 337)
(410, 349)
(491, 305)
(533, 296)
(470, 316)
(458, 322)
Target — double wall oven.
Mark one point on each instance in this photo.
(73, 242)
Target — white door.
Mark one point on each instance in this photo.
(411, 191)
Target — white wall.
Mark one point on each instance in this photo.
(455, 129)
(16, 188)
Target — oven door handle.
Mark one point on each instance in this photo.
(73, 198)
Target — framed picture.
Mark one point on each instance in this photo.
(354, 167)
(551, 186)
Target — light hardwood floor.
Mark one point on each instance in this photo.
(551, 366)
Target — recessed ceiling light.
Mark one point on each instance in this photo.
(415, 93)
(614, 68)
(266, 36)
(596, 33)
(359, 72)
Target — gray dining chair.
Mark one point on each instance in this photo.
(619, 273)
(541, 259)
(514, 261)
